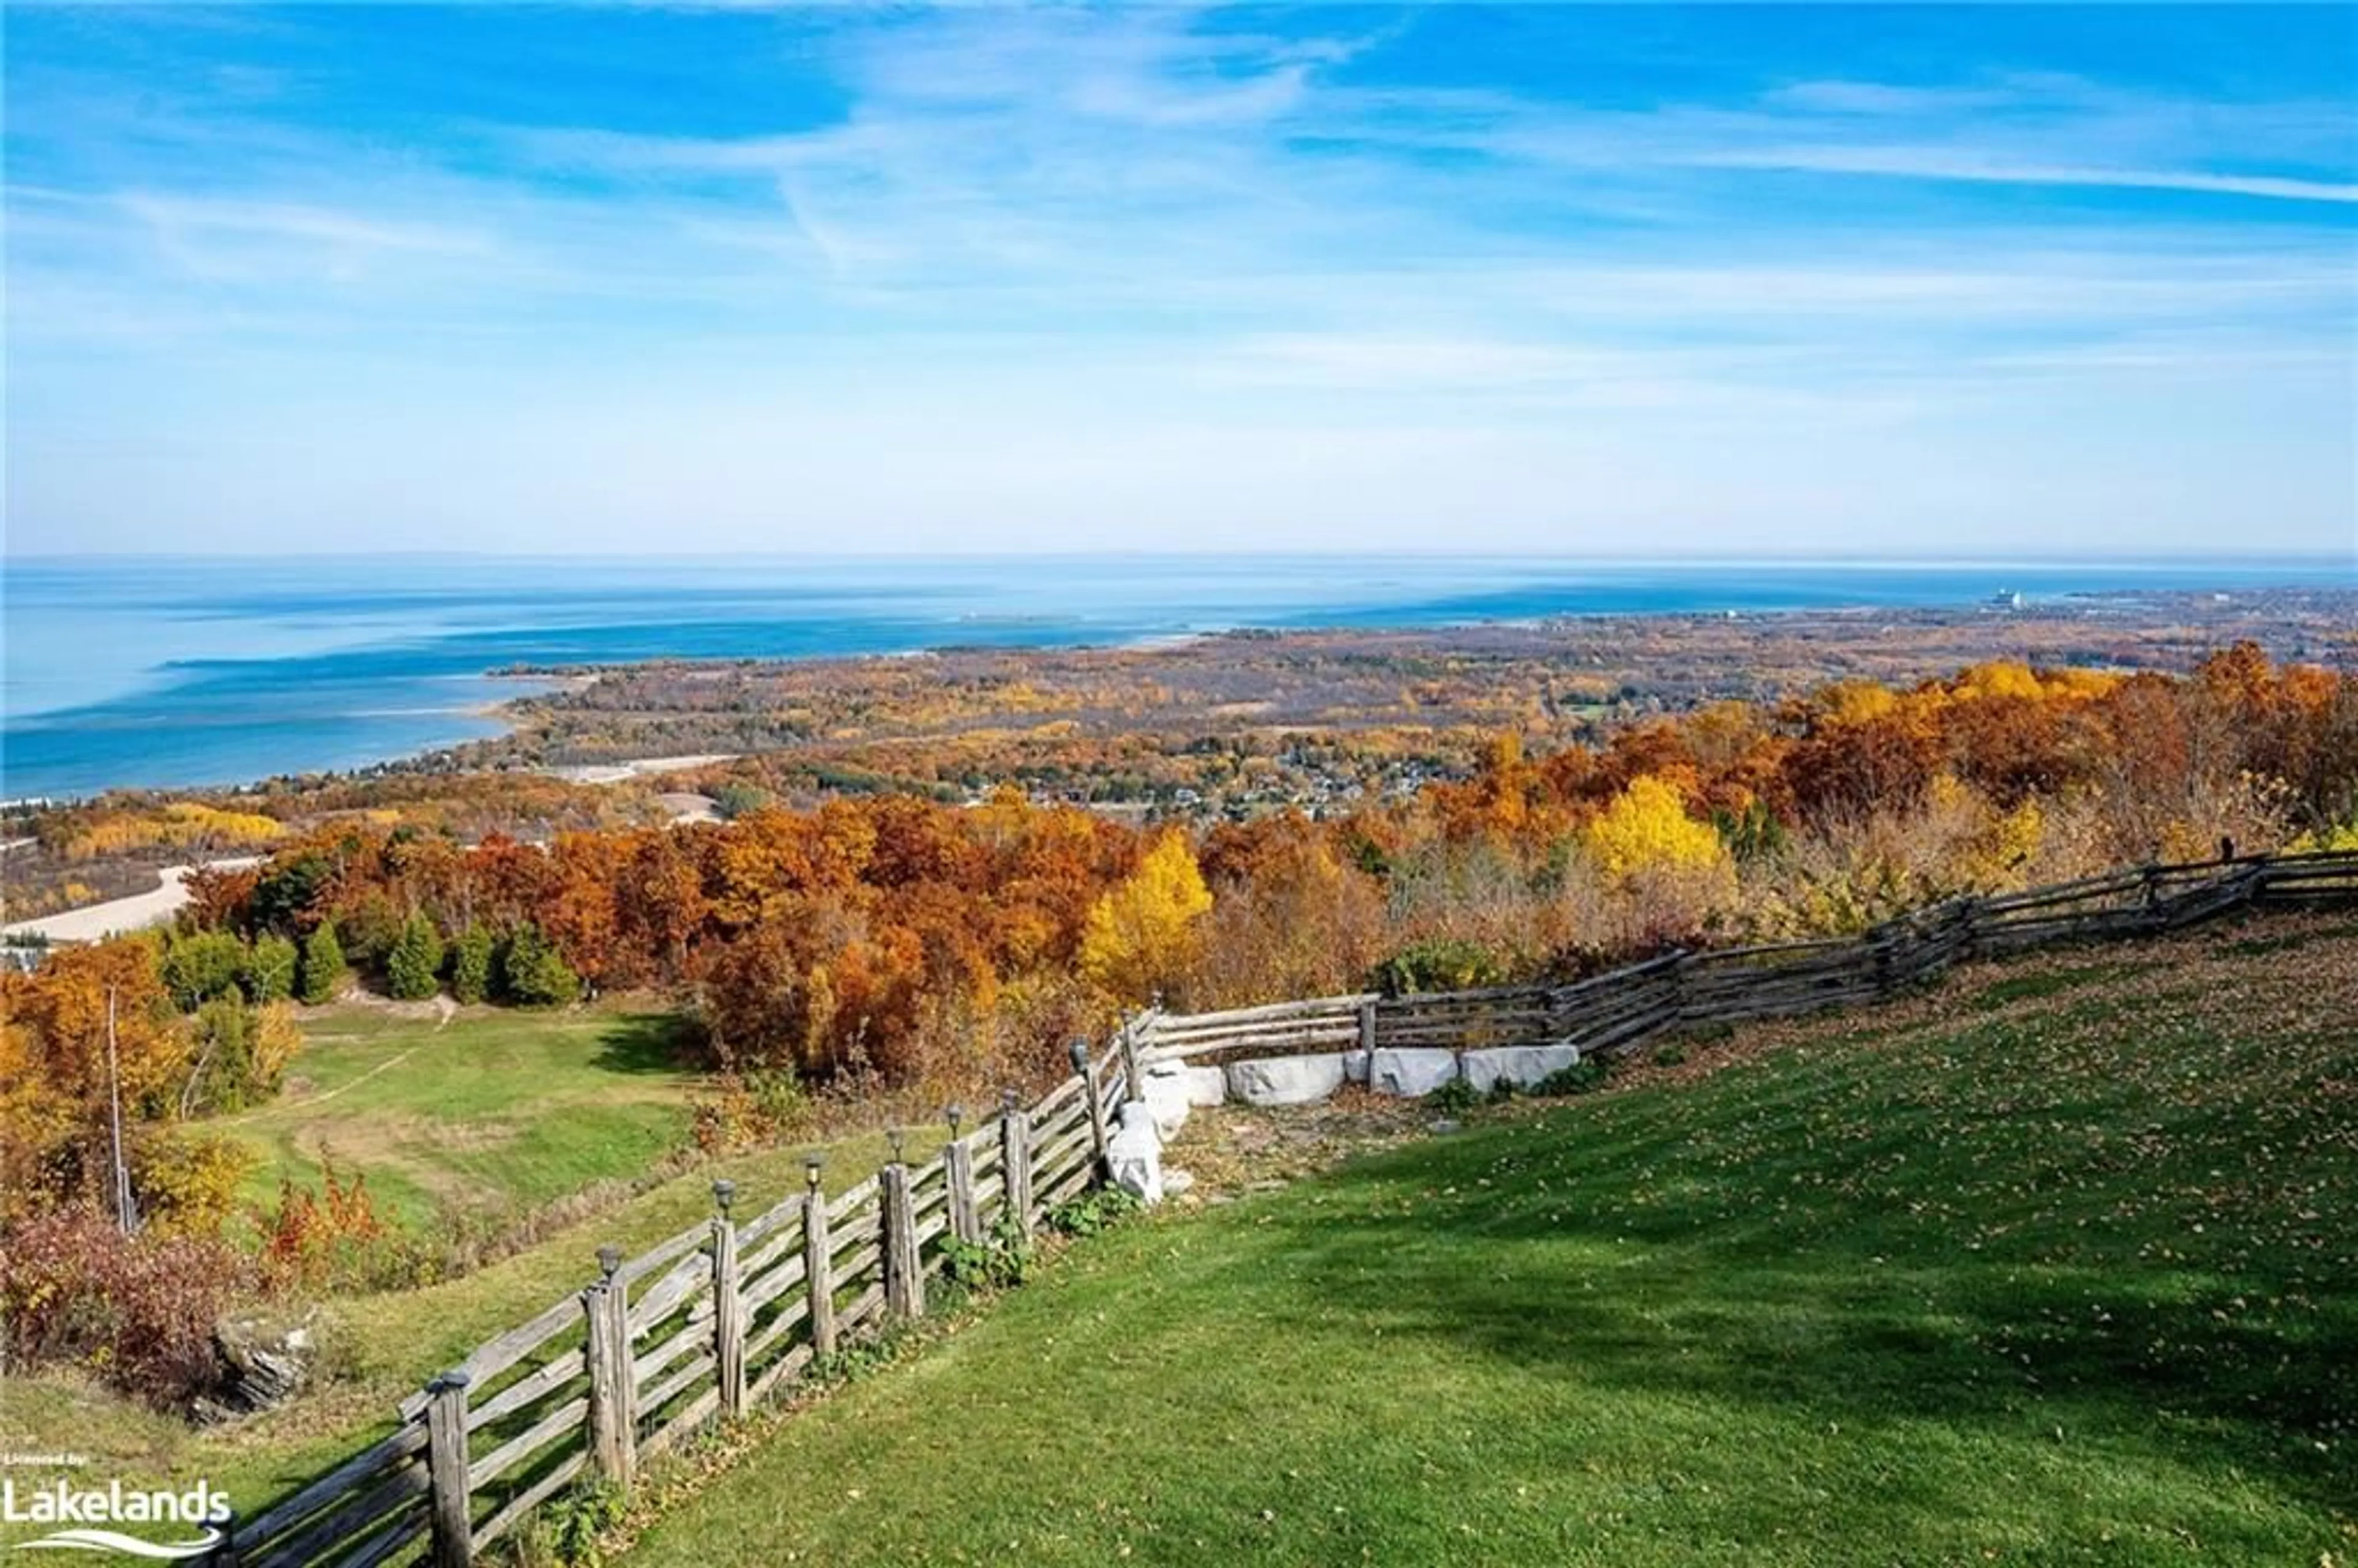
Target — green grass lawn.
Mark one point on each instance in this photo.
(494, 1111)
(2031, 1274)
(384, 1345)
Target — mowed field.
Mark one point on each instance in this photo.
(498, 1112)
(385, 1345)
(2057, 1264)
(489, 1111)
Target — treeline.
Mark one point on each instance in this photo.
(897, 940)
(944, 951)
(901, 936)
(107, 848)
(829, 940)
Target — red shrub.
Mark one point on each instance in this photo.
(137, 1310)
(329, 1238)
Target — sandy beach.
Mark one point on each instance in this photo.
(637, 768)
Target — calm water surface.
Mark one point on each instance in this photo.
(174, 672)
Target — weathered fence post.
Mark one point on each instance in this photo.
(1969, 915)
(445, 1464)
(1881, 945)
(905, 1277)
(613, 1421)
(958, 1159)
(1368, 1025)
(728, 1305)
(819, 1267)
(1133, 1080)
(1015, 1163)
(1088, 1071)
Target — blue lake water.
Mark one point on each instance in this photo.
(183, 671)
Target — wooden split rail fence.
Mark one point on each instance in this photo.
(700, 1328)
(1616, 1011)
(724, 1316)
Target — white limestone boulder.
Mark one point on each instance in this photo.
(1134, 1153)
(1522, 1066)
(1165, 1093)
(1207, 1085)
(1202, 1086)
(1411, 1075)
(1286, 1080)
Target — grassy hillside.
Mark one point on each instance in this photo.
(479, 1109)
(496, 1112)
(384, 1345)
(2055, 1265)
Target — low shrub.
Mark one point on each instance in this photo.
(1093, 1211)
(1000, 1260)
(138, 1311)
(748, 1109)
(566, 1531)
(1454, 1098)
(1440, 964)
(1588, 1073)
(334, 1240)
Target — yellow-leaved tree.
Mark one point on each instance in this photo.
(1142, 935)
(1647, 828)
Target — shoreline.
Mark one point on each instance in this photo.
(562, 679)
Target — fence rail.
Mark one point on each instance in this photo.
(723, 1315)
(1617, 1011)
(701, 1327)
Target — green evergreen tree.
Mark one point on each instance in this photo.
(535, 974)
(270, 969)
(203, 965)
(323, 965)
(410, 969)
(470, 964)
(224, 1058)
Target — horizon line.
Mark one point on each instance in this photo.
(1747, 558)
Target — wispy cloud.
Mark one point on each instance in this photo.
(1162, 218)
(1947, 163)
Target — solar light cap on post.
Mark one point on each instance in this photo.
(811, 1164)
(954, 1113)
(1080, 1054)
(609, 1260)
(724, 1193)
(456, 1378)
(1007, 1100)
(894, 1136)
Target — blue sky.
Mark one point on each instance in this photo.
(1975, 281)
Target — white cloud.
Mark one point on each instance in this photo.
(1946, 163)
(1049, 269)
